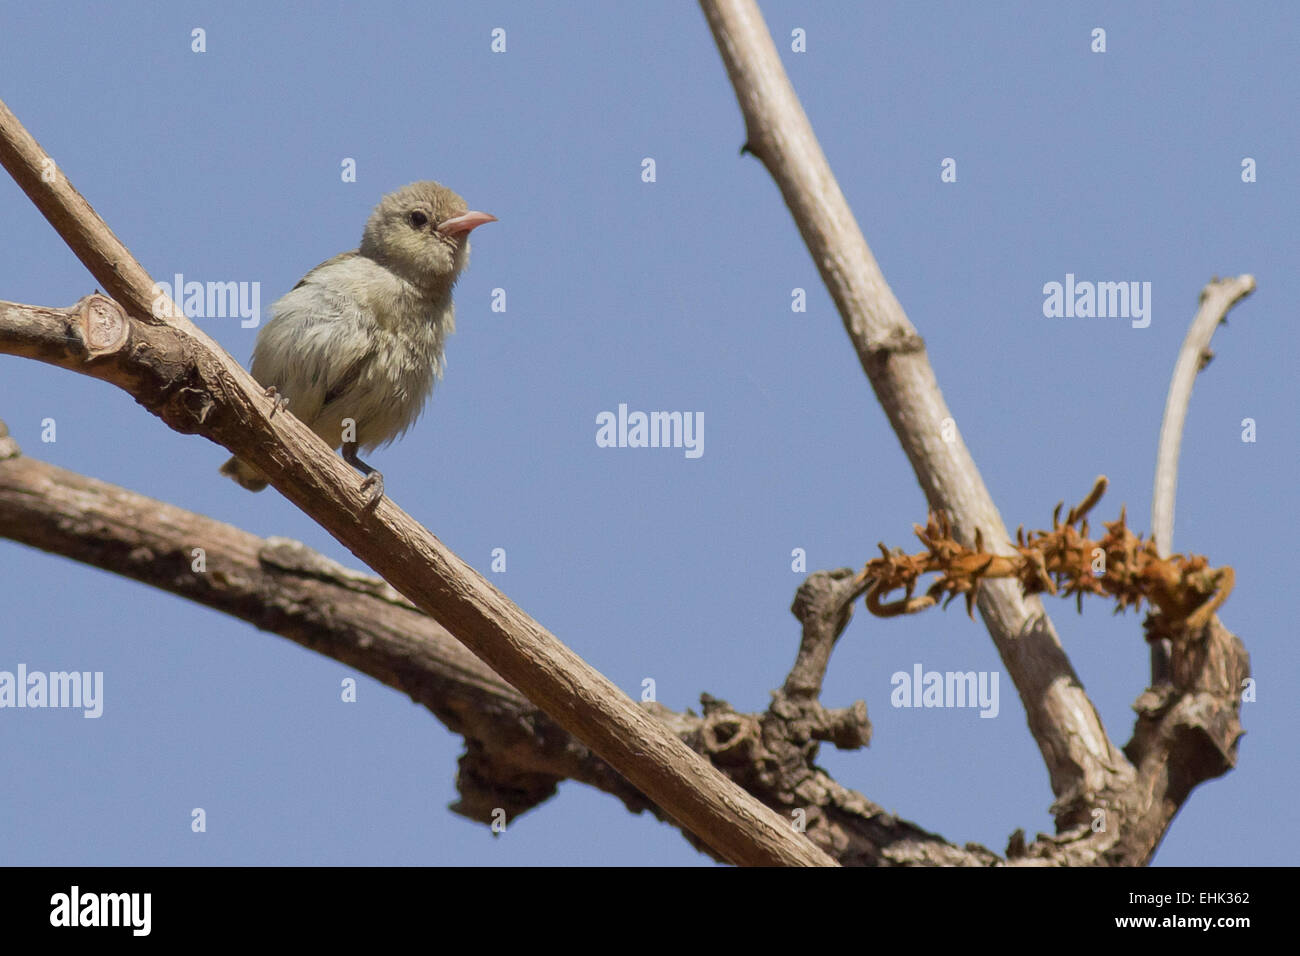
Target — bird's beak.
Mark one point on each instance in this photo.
(459, 225)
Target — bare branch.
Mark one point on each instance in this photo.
(1080, 758)
(175, 371)
(515, 755)
(1217, 298)
(824, 605)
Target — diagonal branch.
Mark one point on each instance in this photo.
(178, 373)
(1081, 760)
(515, 755)
(1111, 808)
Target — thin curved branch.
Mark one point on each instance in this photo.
(1217, 299)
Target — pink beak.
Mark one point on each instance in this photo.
(459, 225)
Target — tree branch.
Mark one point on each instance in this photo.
(1217, 298)
(515, 755)
(179, 374)
(1081, 761)
(1111, 807)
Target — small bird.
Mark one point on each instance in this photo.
(356, 345)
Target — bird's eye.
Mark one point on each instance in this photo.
(418, 219)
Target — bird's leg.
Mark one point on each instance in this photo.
(280, 401)
(373, 483)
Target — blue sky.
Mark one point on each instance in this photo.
(676, 296)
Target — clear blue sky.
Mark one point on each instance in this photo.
(669, 296)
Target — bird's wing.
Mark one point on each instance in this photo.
(340, 385)
(301, 351)
(341, 257)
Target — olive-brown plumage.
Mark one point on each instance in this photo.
(357, 344)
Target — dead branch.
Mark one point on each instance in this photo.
(1217, 298)
(174, 370)
(1111, 807)
(515, 755)
(1081, 760)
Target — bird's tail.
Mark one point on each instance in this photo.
(246, 475)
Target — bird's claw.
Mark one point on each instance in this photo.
(373, 488)
(280, 401)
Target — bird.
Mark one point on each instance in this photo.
(355, 347)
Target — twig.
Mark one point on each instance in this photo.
(823, 604)
(1217, 298)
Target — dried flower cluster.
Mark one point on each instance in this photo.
(1183, 591)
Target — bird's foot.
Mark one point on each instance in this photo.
(373, 487)
(280, 401)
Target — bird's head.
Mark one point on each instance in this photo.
(421, 232)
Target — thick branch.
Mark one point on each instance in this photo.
(1080, 759)
(515, 755)
(177, 373)
(1187, 730)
